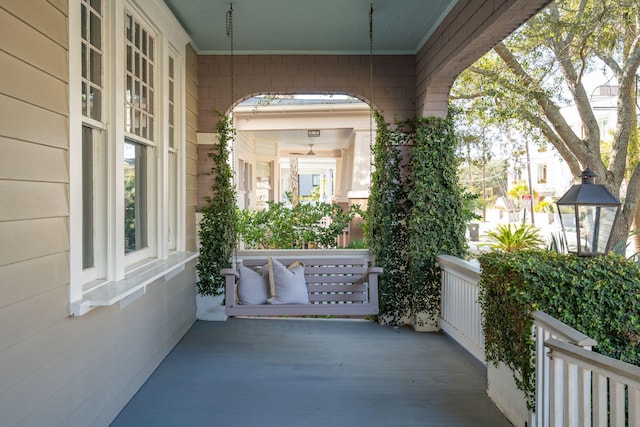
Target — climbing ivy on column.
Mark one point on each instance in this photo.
(436, 224)
(217, 233)
(415, 212)
(388, 215)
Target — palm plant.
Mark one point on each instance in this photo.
(514, 238)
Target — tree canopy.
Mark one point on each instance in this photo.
(525, 81)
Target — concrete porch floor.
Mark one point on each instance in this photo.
(300, 372)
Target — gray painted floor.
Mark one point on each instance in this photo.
(298, 372)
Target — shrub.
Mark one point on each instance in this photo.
(514, 238)
(283, 227)
(598, 296)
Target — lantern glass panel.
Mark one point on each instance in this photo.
(568, 221)
(595, 227)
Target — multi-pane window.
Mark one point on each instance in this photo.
(92, 83)
(139, 98)
(92, 55)
(126, 192)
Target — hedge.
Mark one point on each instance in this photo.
(598, 296)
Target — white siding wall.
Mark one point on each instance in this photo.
(55, 369)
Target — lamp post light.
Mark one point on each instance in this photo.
(587, 214)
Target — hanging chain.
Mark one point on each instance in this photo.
(371, 166)
(230, 36)
(370, 91)
(229, 27)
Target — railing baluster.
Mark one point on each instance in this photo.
(584, 397)
(616, 406)
(634, 406)
(599, 400)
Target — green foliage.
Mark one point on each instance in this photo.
(470, 202)
(622, 248)
(415, 212)
(598, 296)
(283, 227)
(514, 238)
(558, 243)
(218, 226)
(545, 206)
(522, 85)
(437, 214)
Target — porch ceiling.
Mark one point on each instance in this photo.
(311, 26)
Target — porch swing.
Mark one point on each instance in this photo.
(308, 285)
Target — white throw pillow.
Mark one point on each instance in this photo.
(253, 286)
(288, 284)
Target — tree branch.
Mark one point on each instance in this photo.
(572, 161)
(550, 109)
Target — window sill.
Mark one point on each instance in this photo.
(133, 285)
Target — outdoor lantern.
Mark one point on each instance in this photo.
(587, 214)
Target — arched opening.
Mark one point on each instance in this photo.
(303, 148)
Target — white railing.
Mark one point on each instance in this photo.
(460, 314)
(591, 389)
(546, 327)
(574, 386)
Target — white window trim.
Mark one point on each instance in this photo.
(126, 277)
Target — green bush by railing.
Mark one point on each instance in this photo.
(284, 227)
(598, 296)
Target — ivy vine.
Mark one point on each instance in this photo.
(598, 296)
(415, 214)
(436, 225)
(217, 233)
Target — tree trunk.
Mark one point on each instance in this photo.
(636, 237)
(293, 177)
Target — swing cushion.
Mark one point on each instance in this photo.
(288, 285)
(253, 285)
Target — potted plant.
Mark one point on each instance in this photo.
(217, 227)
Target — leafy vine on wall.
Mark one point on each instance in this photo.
(415, 211)
(217, 233)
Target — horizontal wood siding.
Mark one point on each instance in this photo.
(25, 161)
(56, 369)
(82, 371)
(191, 86)
(24, 199)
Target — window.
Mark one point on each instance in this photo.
(139, 121)
(87, 198)
(139, 77)
(91, 147)
(125, 152)
(135, 196)
(172, 240)
(91, 35)
(603, 125)
(172, 103)
(172, 163)
(264, 184)
(542, 174)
